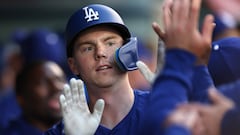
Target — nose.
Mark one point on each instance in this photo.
(100, 52)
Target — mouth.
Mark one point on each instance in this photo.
(103, 67)
(53, 102)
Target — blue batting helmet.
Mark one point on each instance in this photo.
(43, 44)
(90, 16)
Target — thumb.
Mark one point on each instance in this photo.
(158, 31)
(98, 109)
(217, 98)
(146, 72)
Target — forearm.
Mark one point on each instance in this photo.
(174, 84)
(171, 87)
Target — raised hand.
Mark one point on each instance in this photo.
(211, 115)
(188, 118)
(78, 120)
(181, 31)
(181, 19)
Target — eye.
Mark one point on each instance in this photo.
(86, 48)
(113, 42)
(110, 43)
(89, 48)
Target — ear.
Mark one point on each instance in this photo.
(73, 66)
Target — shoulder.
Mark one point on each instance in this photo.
(20, 127)
(141, 94)
(140, 98)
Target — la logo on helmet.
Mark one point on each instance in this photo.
(90, 14)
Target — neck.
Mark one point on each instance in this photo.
(118, 99)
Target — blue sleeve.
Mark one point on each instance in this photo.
(201, 82)
(176, 130)
(231, 122)
(170, 88)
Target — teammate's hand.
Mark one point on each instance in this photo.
(212, 115)
(181, 27)
(78, 120)
(146, 72)
(186, 117)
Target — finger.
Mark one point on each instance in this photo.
(192, 117)
(74, 88)
(207, 29)
(181, 12)
(214, 95)
(63, 104)
(167, 13)
(201, 108)
(158, 31)
(184, 106)
(82, 100)
(67, 94)
(194, 16)
(217, 98)
(98, 109)
(146, 72)
(177, 10)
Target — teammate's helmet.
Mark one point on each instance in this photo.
(92, 15)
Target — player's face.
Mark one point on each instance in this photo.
(93, 54)
(45, 85)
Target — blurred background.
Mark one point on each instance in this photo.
(137, 14)
(32, 30)
(29, 14)
(26, 15)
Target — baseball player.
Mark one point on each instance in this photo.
(93, 34)
(38, 86)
